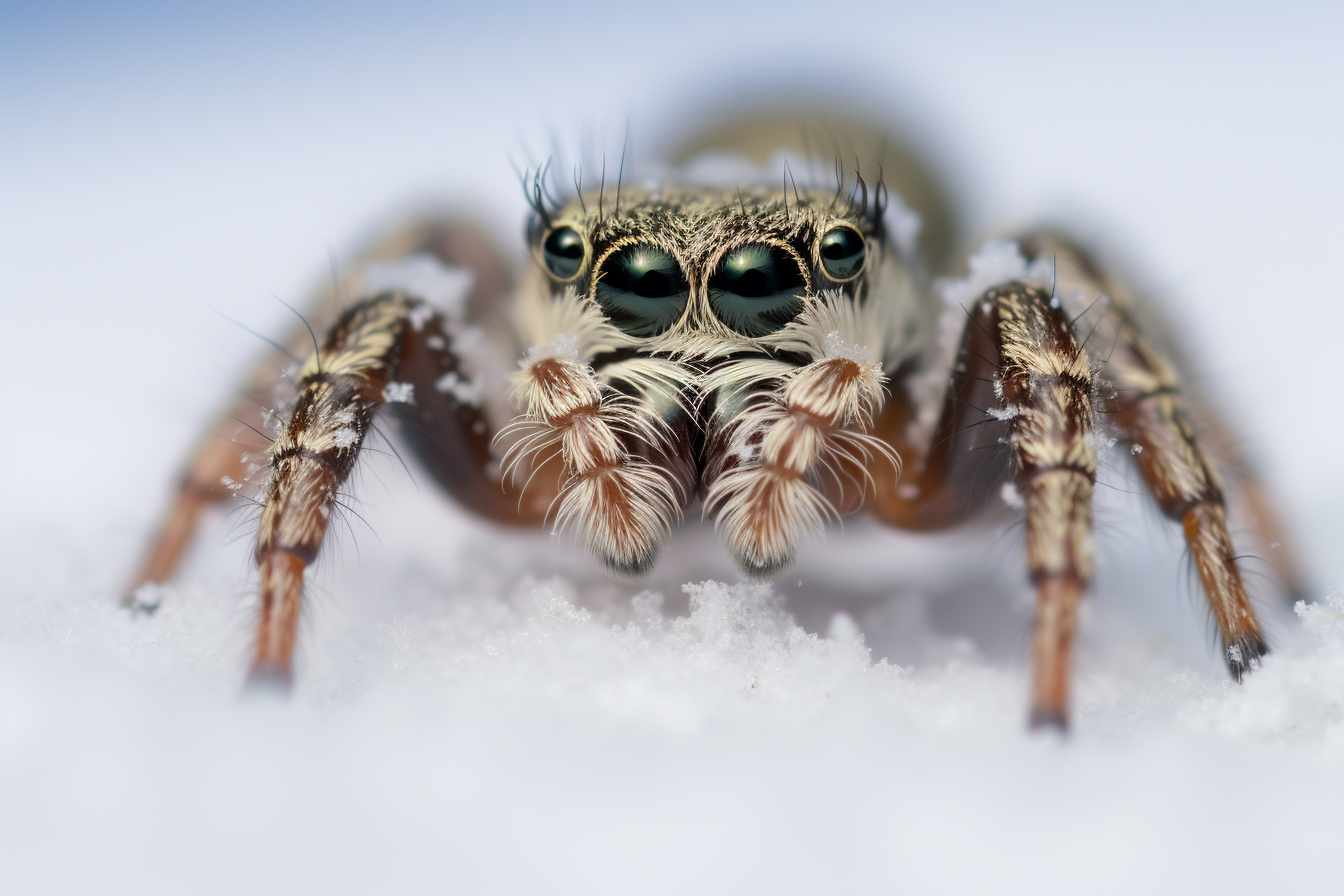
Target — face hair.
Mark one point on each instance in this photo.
(807, 392)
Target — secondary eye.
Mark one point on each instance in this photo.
(842, 253)
(642, 290)
(563, 251)
(757, 289)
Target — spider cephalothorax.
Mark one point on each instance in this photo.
(741, 336)
(776, 356)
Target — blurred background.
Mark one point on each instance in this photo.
(166, 165)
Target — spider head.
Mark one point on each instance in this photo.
(685, 270)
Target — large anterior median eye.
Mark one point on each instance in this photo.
(757, 289)
(842, 253)
(642, 290)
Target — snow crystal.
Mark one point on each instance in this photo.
(425, 277)
(836, 346)
(270, 421)
(419, 316)
(464, 390)
(1103, 441)
(1005, 413)
(564, 347)
(149, 596)
(344, 438)
(399, 393)
(1011, 496)
(747, 453)
(994, 263)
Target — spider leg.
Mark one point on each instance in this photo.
(1151, 410)
(216, 463)
(1019, 351)
(391, 348)
(1253, 498)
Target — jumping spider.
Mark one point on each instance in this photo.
(776, 354)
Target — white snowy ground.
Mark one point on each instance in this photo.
(480, 712)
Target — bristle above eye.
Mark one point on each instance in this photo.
(538, 194)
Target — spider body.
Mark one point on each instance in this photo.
(770, 356)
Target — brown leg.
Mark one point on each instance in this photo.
(387, 349)
(1252, 498)
(1151, 411)
(217, 458)
(1019, 358)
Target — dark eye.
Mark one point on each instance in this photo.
(564, 251)
(642, 290)
(757, 289)
(842, 253)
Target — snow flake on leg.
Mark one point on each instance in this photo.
(464, 390)
(399, 393)
(345, 438)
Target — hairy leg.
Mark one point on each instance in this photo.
(783, 439)
(1254, 500)
(217, 459)
(1019, 357)
(1151, 410)
(391, 348)
(615, 433)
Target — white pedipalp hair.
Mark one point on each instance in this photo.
(622, 503)
(793, 423)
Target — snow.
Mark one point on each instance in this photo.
(492, 711)
(443, 288)
(837, 346)
(993, 263)
(564, 347)
(464, 390)
(345, 437)
(399, 393)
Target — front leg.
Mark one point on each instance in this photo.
(215, 464)
(1046, 383)
(1019, 355)
(391, 348)
(1151, 410)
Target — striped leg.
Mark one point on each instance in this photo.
(389, 348)
(1253, 498)
(217, 459)
(1152, 412)
(1046, 383)
(1020, 357)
